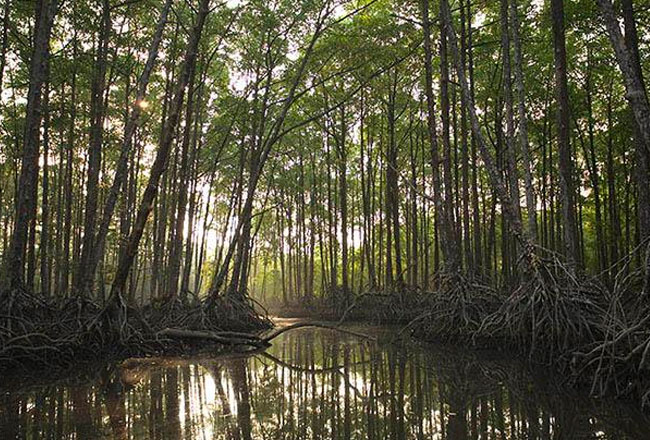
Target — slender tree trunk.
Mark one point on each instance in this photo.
(440, 219)
(83, 281)
(127, 141)
(628, 57)
(343, 202)
(614, 214)
(510, 141)
(176, 251)
(330, 218)
(642, 167)
(4, 44)
(365, 168)
(264, 144)
(567, 188)
(594, 174)
(69, 193)
(189, 245)
(509, 207)
(45, 206)
(413, 260)
(59, 179)
(466, 225)
(636, 93)
(28, 181)
(478, 236)
(162, 156)
(531, 203)
(392, 188)
(452, 257)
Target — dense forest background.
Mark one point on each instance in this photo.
(306, 149)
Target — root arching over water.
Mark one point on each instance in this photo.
(37, 332)
(597, 332)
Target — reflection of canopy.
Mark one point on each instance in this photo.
(305, 369)
(318, 384)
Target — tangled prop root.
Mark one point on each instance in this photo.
(456, 309)
(47, 332)
(619, 361)
(549, 314)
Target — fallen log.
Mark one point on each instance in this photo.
(277, 332)
(226, 338)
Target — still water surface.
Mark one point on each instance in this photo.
(317, 384)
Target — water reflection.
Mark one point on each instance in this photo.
(316, 384)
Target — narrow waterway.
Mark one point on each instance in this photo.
(317, 384)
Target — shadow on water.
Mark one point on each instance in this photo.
(317, 384)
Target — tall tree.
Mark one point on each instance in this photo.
(83, 281)
(126, 146)
(510, 141)
(452, 259)
(567, 187)
(26, 191)
(531, 203)
(440, 220)
(162, 155)
(636, 93)
(642, 167)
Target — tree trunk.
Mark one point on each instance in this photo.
(636, 94)
(452, 257)
(28, 181)
(627, 55)
(567, 187)
(510, 142)
(531, 203)
(5, 40)
(343, 189)
(69, 192)
(642, 167)
(392, 188)
(594, 174)
(83, 282)
(162, 156)
(176, 251)
(509, 207)
(127, 141)
(478, 236)
(465, 165)
(189, 245)
(440, 219)
(45, 206)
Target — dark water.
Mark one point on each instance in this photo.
(316, 384)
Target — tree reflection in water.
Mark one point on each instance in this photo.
(317, 384)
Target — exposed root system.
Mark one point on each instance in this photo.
(595, 329)
(550, 313)
(41, 332)
(456, 309)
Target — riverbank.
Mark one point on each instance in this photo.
(316, 383)
(39, 333)
(597, 336)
